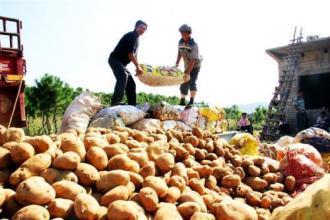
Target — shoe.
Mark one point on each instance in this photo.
(189, 106)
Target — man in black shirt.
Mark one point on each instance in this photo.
(123, 54)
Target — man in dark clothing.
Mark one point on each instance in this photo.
(123, 54)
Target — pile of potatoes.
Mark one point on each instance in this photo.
(131, 174)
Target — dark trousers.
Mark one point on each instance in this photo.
(191, 84)
(124, 83)
(301, 121)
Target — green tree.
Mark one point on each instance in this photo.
(48, 99)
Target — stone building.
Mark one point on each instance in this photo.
(313, 77)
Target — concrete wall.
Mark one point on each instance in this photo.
(313, 62)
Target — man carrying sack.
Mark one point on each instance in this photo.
(188, 50)
(123, 54)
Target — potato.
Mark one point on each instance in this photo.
(180, 153)
(211, 183)
(21, 152)
(167, 211)
(192, 196)
(11, 206)
(95, 141)
(112, 138)
(2, 131)
(252, 199)
(2, 196)
(124, 210)
(231, 181)
(110, 179)
(276, 187)
(194, 141)
(13, 134)
(34, 190)
(67, 189)
(187, 209)
(60, 208)
(202, 216)
(155, 149)
(179, 169)
(122, 162)
(254, 170)
(19, 175)
(197, 132)
(117, 193)
(67, 161)
(85, 206)
(242, 190)
(235, 210)
(240, 171)
(204, 171)
(97, 157)
(247, 162)
(157, 184)
(140, 157)
(32, 212)
(38, 163)
(263, 214)
(102, 213)
(149, 199)
(4, 158)
(115, 149)
(290, 183)
(197, 185)
(270, 178)
(40, 143)
(74, 144)
(148, 170)
(177, 181)
(265, 202)
(133, 144)
(173, 194)
(136, 179)
(87, 174)
(165, 162)
(256, 183)
(219, 172)
(52, 175)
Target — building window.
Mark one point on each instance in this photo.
(325, 50)
(316, 90)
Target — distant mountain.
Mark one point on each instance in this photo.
(250, 107)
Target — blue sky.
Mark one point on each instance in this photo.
(72, 39)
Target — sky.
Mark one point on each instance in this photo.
(72, 39)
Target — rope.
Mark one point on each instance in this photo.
(14, 107)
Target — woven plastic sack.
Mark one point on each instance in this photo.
(301, 167)
(246, 142)
(161, 75)
(168, 124)
(108, 121)
(164, 111)
(284, 141)
(147, 124)
(211, 113)
(310, 133)
(305, 149)
(80, 111)
(182, 126)
(189, 116)
(313, 203)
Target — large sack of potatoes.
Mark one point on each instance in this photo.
(161, 75)
(80, 111)
(313, 203)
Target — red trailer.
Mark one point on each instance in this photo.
(12, 72)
